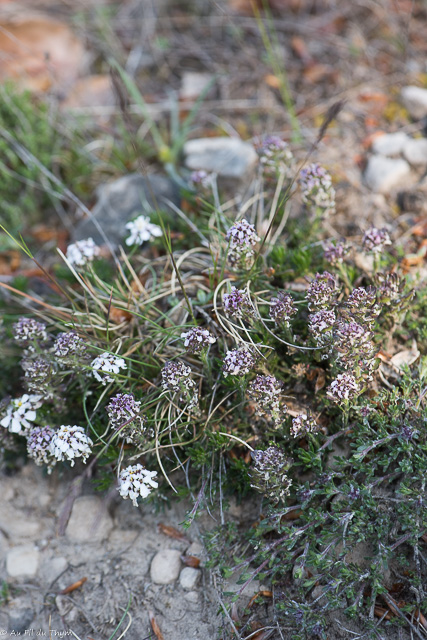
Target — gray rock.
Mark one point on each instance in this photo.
(20, 619)
(384, 174)
(390, 144)
(53, 568)
(415, 100)
(192, 596)
(193, 83)
(123, 200)
(189, 578)
(22, 561)
(227, 157)
(89, 521)
(415, 151)
(165, 566)
(17, 524)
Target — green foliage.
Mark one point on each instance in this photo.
(341, 469)
(33, 124)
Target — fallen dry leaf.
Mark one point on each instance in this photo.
(405, 357)
(191, 561)
(171, 532)
(264, 594)
(299, 47)
(272, 81)
(92, 91)
(316, 72)
(155, 627)
(119, 315)
(379, 612)
(10, 261)
(73, 587)
(39, 52)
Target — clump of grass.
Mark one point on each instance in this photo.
(230, 361)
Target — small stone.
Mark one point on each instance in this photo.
(22, 561)
(89, 521)
(415, 151)
(227, 157)
(192, 596)
(195, 549)
(53, 568)
(193, 83)
(390, 144)
(415, 101)
(122, 201)
(165, 566)
(384, 174)
(20, 619)
(189, 578)
(17, 524)
(317, 592)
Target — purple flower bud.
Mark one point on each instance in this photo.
(282, 308)
(269, 473)
(238, 362)
(375, 240)
(335, 252)
(316, 188)
(176, 378)
(124, 413)
(237, 304)
(197, 339)
(343, 388)
(274, 153)
(265, 391)
(320, 326)
(27, 331)
(303, 424)
(39, 440)
(322, 291)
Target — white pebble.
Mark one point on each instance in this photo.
(189, 578)
(390, 144)
(384, 174)
(165, 566)
(22, 561)
(415, 151)
(415, 100)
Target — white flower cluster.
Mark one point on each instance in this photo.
(104, 364)
(21, 413)
(70, 442)
(141, 230)
(82, 252)
(135, 481)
